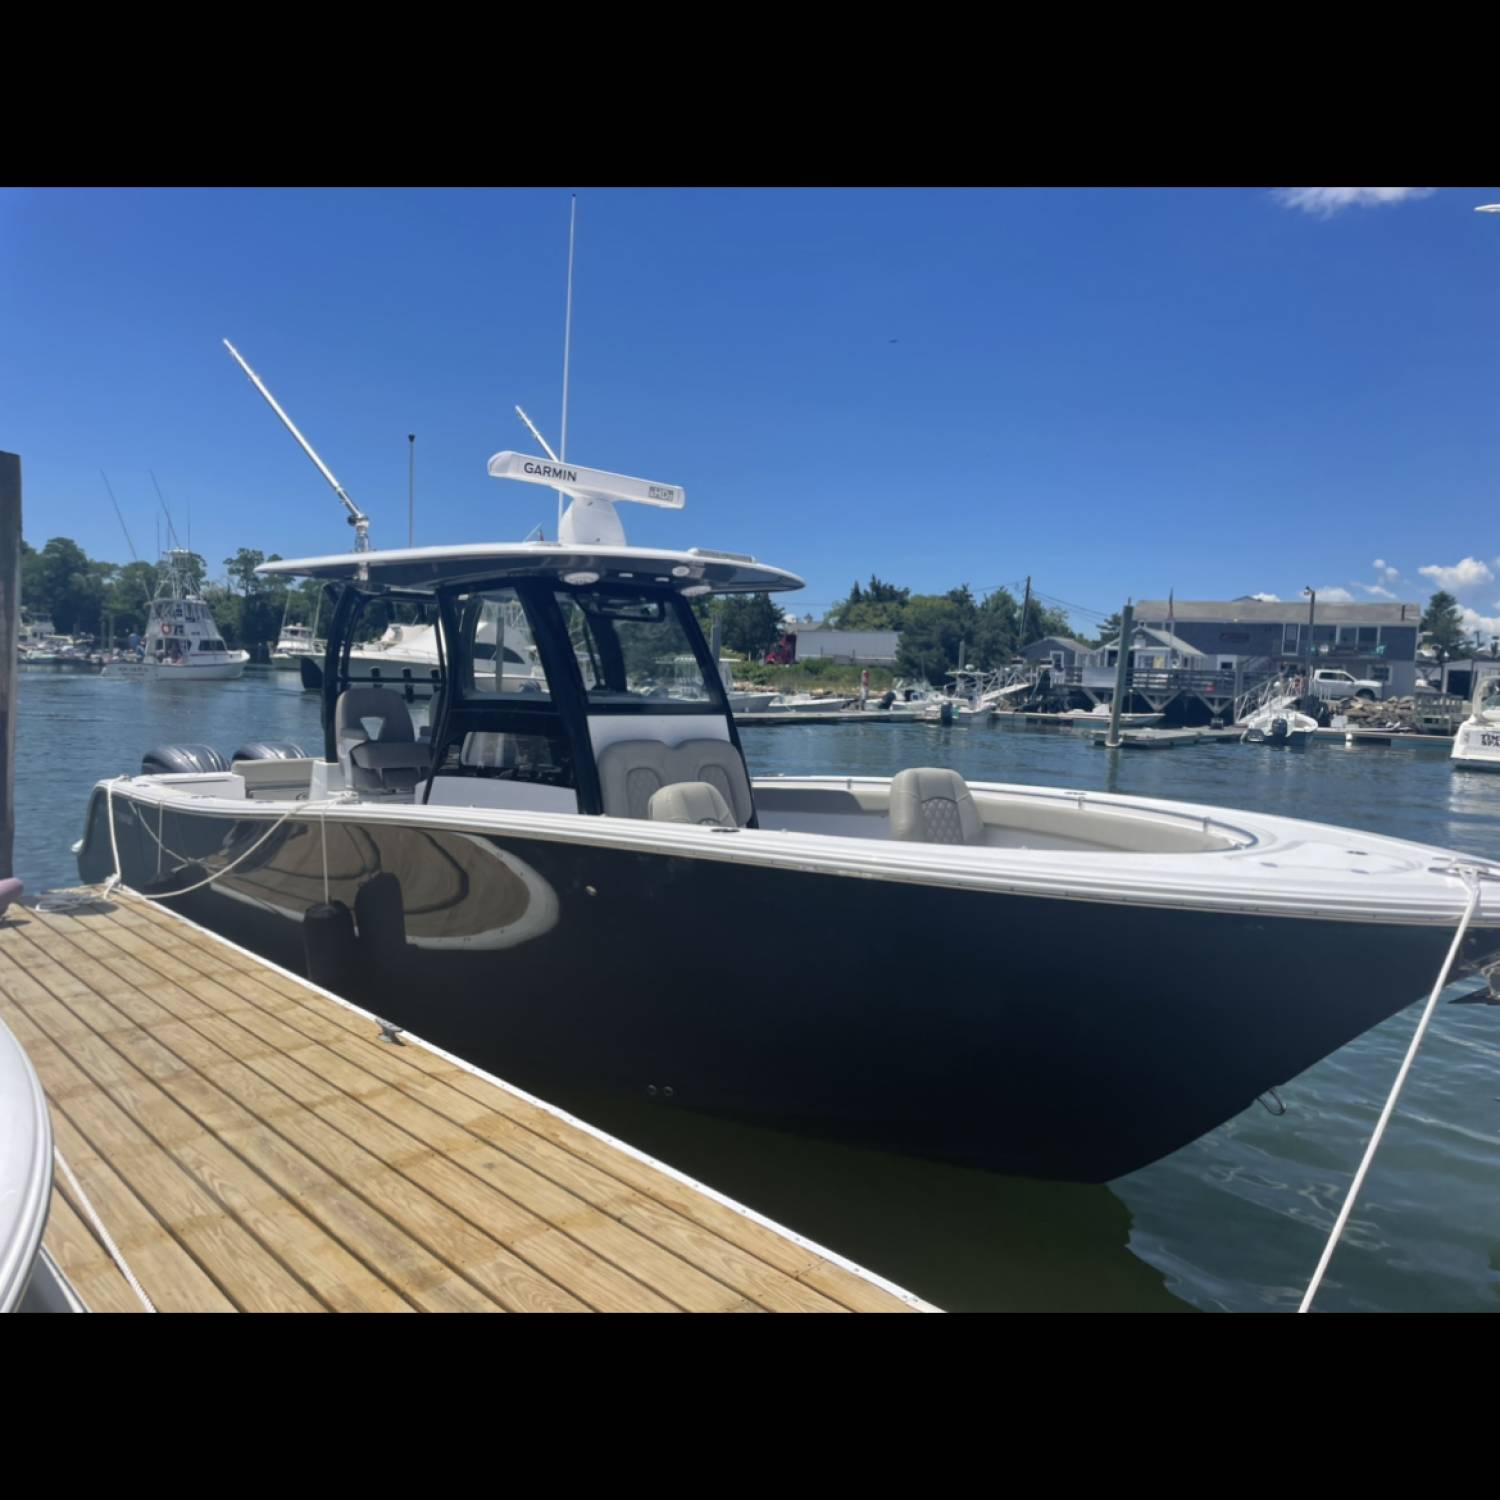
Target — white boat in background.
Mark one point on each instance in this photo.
(1099, 714)
(805, 703)
(1278, 722)
(1476, 746)
(295, 642)
(183, 643)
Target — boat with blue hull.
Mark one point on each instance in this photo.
(547, 877)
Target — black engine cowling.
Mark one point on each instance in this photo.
(182, 760)
(270, 750)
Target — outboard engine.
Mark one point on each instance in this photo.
(1279, 729)
(182, 760)
(269, 750)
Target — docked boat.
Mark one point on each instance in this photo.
(1476, 745)
(295, 642)
(807, 703)
(546, 882)
(1099, 714)
(1279, 724)
(182, 642)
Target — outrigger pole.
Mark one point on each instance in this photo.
(357, 518)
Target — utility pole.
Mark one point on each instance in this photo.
(1122, 675)
(1025, 614)
(1312, 604)
(10, 625)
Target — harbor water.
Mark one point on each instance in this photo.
(1234, 1221)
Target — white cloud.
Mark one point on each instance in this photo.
(1379, 590)
(1335, 596)
(1324, 202)
(1486, 625)
(1267, 598)
(1386, 572)
(1468, 574)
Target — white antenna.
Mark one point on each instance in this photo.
(531, 428)
(567, 350)
(357, 518)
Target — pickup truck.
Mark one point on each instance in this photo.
(1329, 682)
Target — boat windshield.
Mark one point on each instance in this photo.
(1487, 697)
(633, 648)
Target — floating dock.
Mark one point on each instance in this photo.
(1439, 743)
(1169, 739)
(253, 1143)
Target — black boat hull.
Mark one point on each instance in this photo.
(1064, 1038)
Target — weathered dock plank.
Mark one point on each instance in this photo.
(252, 1144)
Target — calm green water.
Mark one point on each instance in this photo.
(1235, 1221)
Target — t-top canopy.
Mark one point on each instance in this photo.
(425, 569)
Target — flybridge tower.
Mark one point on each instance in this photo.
(590, 518)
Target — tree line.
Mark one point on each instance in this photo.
(109, 601)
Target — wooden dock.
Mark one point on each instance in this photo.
(251, 1143)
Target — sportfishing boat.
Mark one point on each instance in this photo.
(182, 642)
(1476, 746)
(547, 881)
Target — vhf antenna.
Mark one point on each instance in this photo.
(357, 518)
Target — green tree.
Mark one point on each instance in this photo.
(1443, 624)
(752, 623)
(936, 626)
(242, 568)
(62, 582)
(1109, 630)
(881, 606)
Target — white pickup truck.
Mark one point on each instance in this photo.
(1329, 682)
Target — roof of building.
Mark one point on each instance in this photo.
(1281, 612)
(1062, 640)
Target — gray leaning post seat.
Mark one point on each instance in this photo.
(631, 772)
(390, 760)
(932, 806)
(690, 802)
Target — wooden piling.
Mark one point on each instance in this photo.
(10, 629)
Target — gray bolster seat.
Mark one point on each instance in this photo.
(631, 772)
(690, 802)
(931, 806)
(378, 749)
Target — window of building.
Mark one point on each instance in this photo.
(1291, 639)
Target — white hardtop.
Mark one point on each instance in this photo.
(424, 569)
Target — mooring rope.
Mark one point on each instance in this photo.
(1472, 878)
(117, 880)
(92, 1215)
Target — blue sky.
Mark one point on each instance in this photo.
(1119, 392)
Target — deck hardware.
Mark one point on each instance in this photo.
(1280, 1106)
(390, 1032)
(589, 890)
(651, 1091)
(666, 1092)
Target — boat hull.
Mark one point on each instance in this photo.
(193, 671)
(595, 976)
(1476, 746)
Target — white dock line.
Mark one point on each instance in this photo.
(843, 1262)
(1472, 877)
(92, 1215)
